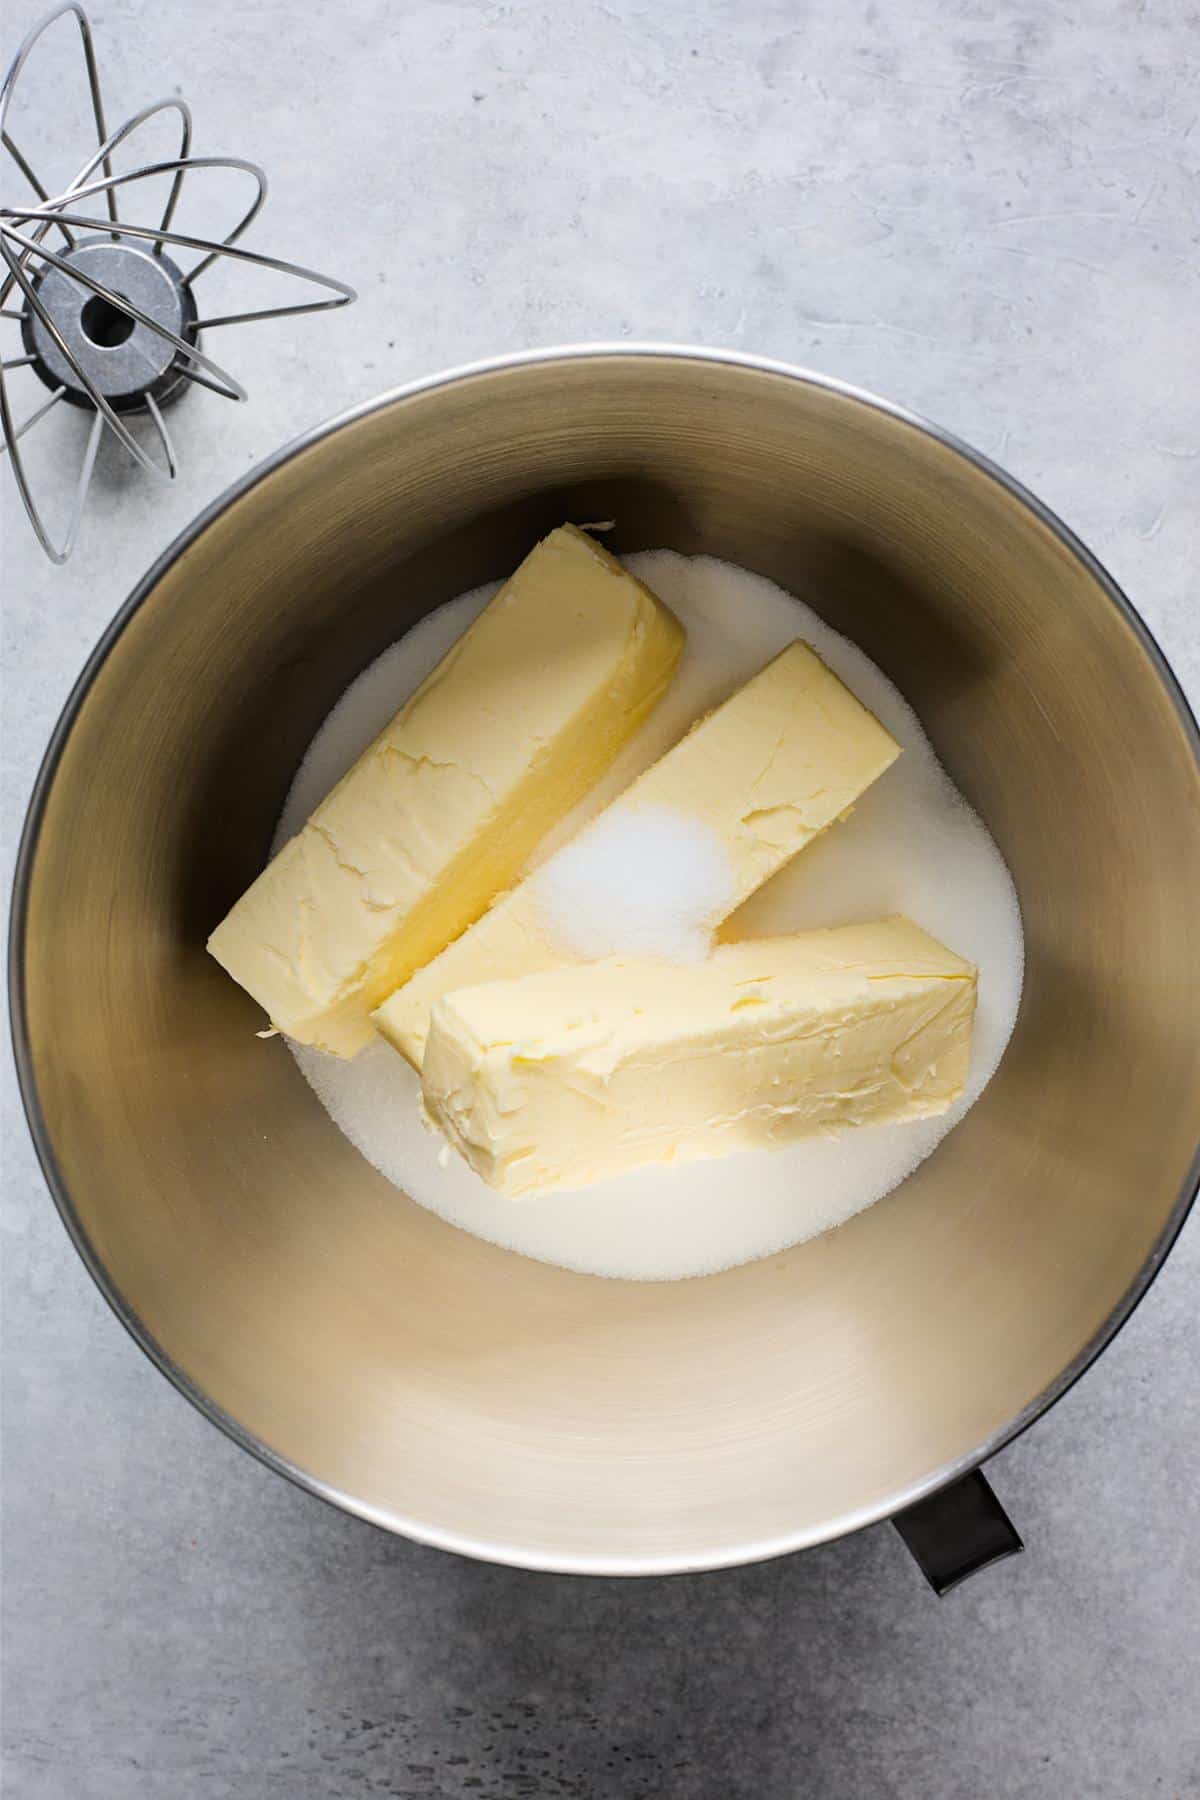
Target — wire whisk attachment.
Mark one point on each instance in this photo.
(108, 320)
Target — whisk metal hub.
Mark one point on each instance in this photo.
(125, 360)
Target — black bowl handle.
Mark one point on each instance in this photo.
(957, 1531)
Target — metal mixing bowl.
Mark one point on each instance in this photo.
(453, 1391)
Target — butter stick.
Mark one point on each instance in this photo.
(761, 776)
(562, 1079)
(442, 811)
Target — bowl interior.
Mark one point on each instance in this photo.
(451, 1389)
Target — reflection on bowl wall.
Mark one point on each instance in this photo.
(446, 1388)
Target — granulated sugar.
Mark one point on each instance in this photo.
(644, 882)
(912, 845)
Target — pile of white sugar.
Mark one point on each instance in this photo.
(645, 881)
(912, 845)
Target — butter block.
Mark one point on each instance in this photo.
(442, 811)
(780, 760)
(567, 1077)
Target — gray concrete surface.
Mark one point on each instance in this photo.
(990, 212)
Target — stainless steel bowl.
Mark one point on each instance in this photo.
(453, 1391)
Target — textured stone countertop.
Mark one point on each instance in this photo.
(988, 212)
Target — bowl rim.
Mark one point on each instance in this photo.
(721, 1555)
